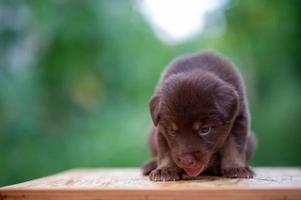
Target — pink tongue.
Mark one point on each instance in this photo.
(194, 171)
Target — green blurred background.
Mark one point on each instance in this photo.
(76, 77)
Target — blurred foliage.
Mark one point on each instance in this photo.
(76, 76)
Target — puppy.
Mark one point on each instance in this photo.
(201, 121)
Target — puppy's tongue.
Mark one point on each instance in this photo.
(194, 171)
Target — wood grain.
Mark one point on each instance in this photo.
(128, 183)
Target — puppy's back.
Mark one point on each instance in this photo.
(209, 62)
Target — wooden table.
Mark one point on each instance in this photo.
(127, 183)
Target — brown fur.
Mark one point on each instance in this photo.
(195, 91)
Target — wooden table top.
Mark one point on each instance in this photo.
(128, 183)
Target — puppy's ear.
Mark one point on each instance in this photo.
(227, 102)
(154, 109)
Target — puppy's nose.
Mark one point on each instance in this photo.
(187, 159)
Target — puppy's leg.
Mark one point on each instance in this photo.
(150, 165)
(251, 145)
(152, 141)
(214, 167)
(166, 169)
(234, 153)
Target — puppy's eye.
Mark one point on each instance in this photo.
(172, 133)
(204, 130)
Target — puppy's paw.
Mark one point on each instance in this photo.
(149, 167)
(238, 172)
(165, 174)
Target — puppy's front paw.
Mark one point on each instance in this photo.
(238, 172)
(165, 174)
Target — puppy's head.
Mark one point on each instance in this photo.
(195, 113)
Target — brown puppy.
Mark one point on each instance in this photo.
(201, 119)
